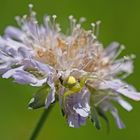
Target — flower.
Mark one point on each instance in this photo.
(74, 69)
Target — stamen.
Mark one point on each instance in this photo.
(35, 22)
(54, 26)
(122, 47)
(72, 23)
(70, 17)
(18, 20)
(97, 28)
(78, 26)
(24, 16)
(133, 56)
(33, 13)
(58, 27)
(82, 20)
(93, 27)
(30, 5)
(126, 58)
(54, 17)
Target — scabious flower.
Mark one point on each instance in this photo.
(73, 68)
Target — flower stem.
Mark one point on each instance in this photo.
(40, 123)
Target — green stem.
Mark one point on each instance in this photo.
(40, 123)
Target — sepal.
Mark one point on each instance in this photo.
(39, 97)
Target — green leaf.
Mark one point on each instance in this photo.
(39, 98)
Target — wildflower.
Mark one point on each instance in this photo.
(74, 68)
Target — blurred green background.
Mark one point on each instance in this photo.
(120, 22)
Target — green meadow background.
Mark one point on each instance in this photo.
(120, 22)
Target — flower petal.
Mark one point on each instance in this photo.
(119, 122)
(76, 121)
(51, 96)
(121, 87)
(122, 66)
(76, 108)
(112, 50)
(125, 104)
(39, 98)
(14, 33)
(107, 106)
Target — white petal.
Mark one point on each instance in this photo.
(70, 124)
(125, 104)
(122, 66)
(81, 112)
(112, 50)
(121, 87)
(13, 32)
(118, 120)
(11, 72)
(130, 94)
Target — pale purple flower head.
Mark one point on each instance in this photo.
(74, 69)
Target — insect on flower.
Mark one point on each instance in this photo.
(74, 68)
